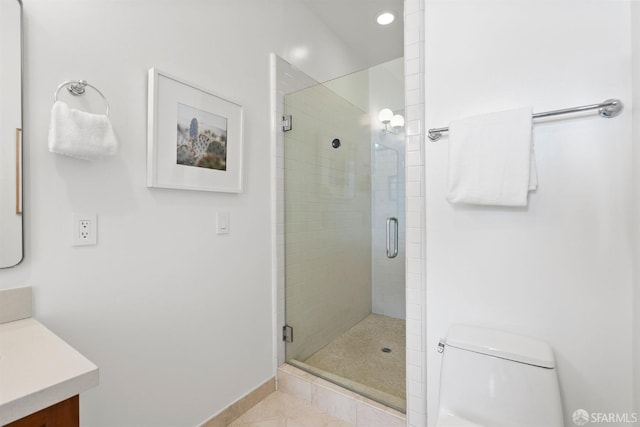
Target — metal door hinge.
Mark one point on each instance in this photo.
(287, 123)
(287, 333)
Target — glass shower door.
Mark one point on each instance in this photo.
(389, 236)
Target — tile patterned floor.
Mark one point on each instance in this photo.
(283, 410)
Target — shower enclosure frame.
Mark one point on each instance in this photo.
(415, 282)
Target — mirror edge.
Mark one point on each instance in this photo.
(21, 124)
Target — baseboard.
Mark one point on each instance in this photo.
(239, 407)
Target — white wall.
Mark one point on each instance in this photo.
(561, 269)
(177, 318)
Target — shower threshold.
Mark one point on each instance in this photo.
(386, 399)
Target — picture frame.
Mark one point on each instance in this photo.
(194, 137)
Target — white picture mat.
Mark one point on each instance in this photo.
(165, 93)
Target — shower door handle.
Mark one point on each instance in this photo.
(392, 228)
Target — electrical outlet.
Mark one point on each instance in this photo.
(84, 229)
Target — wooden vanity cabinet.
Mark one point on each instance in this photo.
(62, 414)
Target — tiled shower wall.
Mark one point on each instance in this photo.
(416, 284)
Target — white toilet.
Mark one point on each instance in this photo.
(492, 378)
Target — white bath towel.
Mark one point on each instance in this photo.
(80, 134)
(491, 159)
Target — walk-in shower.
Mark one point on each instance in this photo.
(344, 221)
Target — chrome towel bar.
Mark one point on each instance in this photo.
(608, 108)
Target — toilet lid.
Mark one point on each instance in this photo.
(501, 344)
(448, 419)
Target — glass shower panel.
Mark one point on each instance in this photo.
(327, 219)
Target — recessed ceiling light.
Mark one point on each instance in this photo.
(300, 52)
(385, 18)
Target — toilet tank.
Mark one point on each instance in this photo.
(494, 378)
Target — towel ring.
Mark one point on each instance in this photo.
(76, 88)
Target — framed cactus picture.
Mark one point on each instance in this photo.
(194, 137)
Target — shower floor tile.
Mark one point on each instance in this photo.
(283, 410)
(358, 355)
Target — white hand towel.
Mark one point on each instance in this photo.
(80, 134)
(491, 159)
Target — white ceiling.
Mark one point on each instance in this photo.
(354, 21)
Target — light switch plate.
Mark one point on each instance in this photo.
(222, 223)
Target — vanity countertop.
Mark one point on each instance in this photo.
(38, 369)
